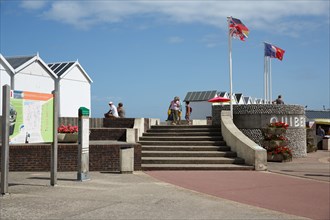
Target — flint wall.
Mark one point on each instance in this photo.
(250, 119)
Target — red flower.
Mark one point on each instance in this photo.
(67, 129)
(279, 125)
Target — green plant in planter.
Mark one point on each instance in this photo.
(67, 134)
(67, 129)
(275, 142)
(283, 151)
(278, 125)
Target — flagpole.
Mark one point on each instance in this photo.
(265, 78)
(270, 81)
(230, 73)
(267, 99)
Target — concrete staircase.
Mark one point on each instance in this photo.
(188, 147)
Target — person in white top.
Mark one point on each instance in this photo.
(175, 108)
(112, 112)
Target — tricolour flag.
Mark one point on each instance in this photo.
(237, 28)
(273, 51)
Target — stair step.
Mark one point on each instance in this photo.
(181, 130)
(191, 160)
(186, 143)
(187, 147)
(188, 154)
(184, 148)
(184, 126)
(170, 134)
(183, 138)
(195, 167)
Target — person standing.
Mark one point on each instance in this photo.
(121, 110)
(180, 110)
(279, 100)
(175, 107)
(188, 112)
(320, 131)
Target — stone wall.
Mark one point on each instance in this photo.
(250, 119)
(32, 157)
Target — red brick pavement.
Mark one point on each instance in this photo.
(287, 194)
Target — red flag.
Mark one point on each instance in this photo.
(279, 53)
(237, 28)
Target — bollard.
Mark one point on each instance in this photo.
(83, 144)
(326, 144)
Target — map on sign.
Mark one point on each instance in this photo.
(31, 117)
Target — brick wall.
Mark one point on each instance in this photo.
(118, 134)
(93, 122)
(118, 122)
(32, 157)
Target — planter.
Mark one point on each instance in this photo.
(274, 131)
(274, 143)
(277, 158)
(67, 137)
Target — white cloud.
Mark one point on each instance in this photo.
(33, 5)
(255, 14)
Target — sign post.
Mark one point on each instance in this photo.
(54, 147)
(5, 139)
(83, 144)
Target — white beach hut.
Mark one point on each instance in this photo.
(74, 87)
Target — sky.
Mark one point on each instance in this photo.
(143, 53)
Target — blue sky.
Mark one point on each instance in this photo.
(143, 53)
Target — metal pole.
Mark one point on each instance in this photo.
(5, 139)
(270, 80)
(230, 74)
(54, 147)
(265, 78)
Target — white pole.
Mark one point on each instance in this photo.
(265, 78)
(268, 59)
(230, 74)
(270, 80)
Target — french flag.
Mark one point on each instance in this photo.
(273, 51)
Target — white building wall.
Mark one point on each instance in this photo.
(75, 92)
(200, 110)
(34, 78)
(4, 80)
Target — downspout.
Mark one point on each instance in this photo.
(12, 81)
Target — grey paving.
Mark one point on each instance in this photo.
(116, 196)
(315, 166)
(138, 196)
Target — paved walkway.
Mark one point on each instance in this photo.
(315, 166)
(171, 195)
(280, 189)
